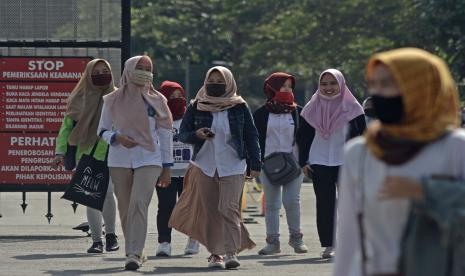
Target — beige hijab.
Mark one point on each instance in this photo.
(84, 106)
(129, 111)
(217, 104)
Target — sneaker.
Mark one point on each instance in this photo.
(215, 261)
(134, 262)
(231, 261)
(97, 247)
(328, 253)
(270, 248)
(192, 247)
(164, 249)
(297, 243)
(111, 242)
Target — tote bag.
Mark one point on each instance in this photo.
(89, 184)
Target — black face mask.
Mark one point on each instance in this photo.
(389, 110)
(370, 112)
(215, 89)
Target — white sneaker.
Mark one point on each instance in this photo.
(215, 261)
(134, 262)
(164, 249)
(192, 247)
(328, 253)
(231, 261)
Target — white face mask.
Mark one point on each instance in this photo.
(141, 77)
(330, 98)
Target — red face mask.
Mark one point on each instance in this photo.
(284, 97)
(177, 107)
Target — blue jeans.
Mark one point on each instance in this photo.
(289, 196)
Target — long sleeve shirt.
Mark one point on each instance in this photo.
(62, 142)
(217, 154)
(362, 176)
(120, 156)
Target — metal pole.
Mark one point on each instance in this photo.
(187, 78)
(125, 31)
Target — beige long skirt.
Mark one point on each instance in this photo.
(197, 214)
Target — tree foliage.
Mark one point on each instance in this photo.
(302, 37)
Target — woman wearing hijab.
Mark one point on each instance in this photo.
(219, 125)
(79, 129)
(182, 153)
(277, 123)
(386, 172)
(331, 117)
(137, 124)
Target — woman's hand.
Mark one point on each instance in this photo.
(254, 174)
(57, 161)
(125, 141)
(165, 178)
(204, 133)
(307, 170)
(397, 187)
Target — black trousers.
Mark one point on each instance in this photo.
(167, 198)
(324, 184)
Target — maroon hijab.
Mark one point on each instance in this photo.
(178, 105)
(271, 87)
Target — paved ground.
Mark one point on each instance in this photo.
(31, 246)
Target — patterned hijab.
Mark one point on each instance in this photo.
(430, 99)
(272, 85)
(84, 106)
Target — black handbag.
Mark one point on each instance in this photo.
(281, 168)
(89, 184)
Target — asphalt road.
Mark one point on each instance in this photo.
(29, 245)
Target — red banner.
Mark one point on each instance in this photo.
(26, 159)
(33, 106)
(33, 93)
(42, 68)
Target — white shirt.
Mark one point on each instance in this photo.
(279, 133)
(217, 153)
(384, 220)
(182, 153)
(120, 156)
(328, 152)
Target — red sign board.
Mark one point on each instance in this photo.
(26, 159)
(28, 106)
(33, 93)
(42, 68)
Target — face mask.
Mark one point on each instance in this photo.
(370, 112)
(177, 107)
(389, 110)
(330, 98)
(284, 97)
(141, 77)
(101, 79)
(215, 89)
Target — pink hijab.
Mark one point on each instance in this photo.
(327, 115)
(129, 111)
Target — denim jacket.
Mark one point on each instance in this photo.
(243, 132)
(434, 241)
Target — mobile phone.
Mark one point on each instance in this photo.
(209, 133)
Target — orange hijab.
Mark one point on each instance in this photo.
(429, 94)
(127, 106)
